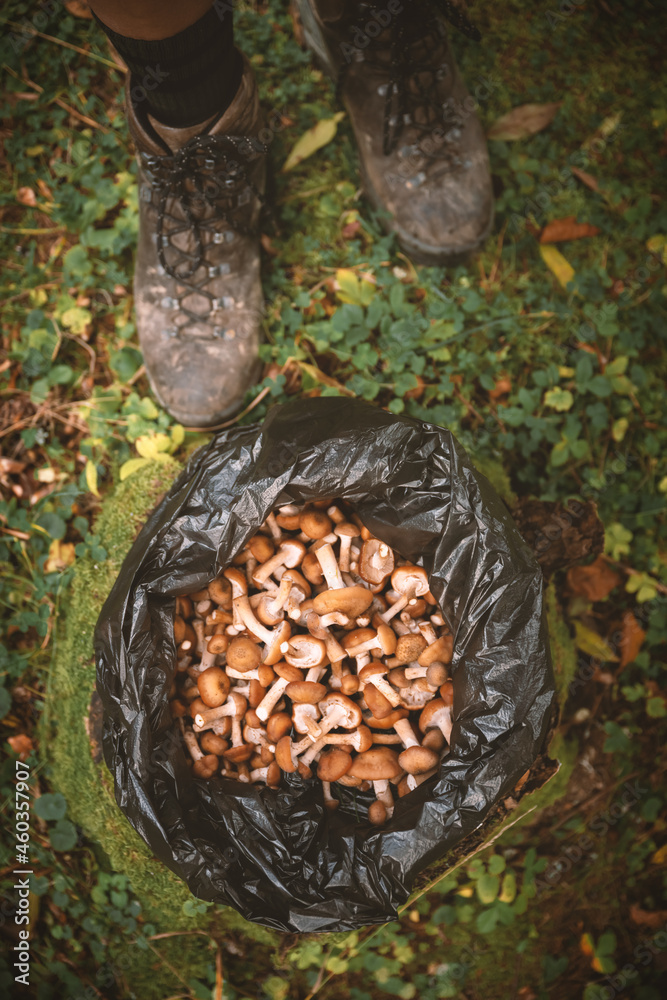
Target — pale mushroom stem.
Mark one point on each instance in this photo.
(271, 698)
(313, 751)
(383, 794)
(327, 560)
(204, 720)
(404, 730)
(191, 742)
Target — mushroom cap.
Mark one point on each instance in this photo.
(408, 647)
(206, 766)
(210, 743)
(237, 578)
(386, 638)
(436, 674)
(349, 684)
(373, 669)
(281, 634)
(243, 654)
(277, 726)
(377, 813)
(441, 650)
(349, 781)
(350, 601)
(314, 523)
(220, 592)
(358, 636)
(397, 677)
(264, 612)
(432, 712)
(213, 685)
(239, 702)
(379, 705)
(333, 765)
(305, 651)
(376, 764)
(410, 578)
(353, 716)
(217, 644)
(362, 739)
(284, 754)
(434, 739)
(289, 673)
(273, 774)
(345, 529)
(306, 692)
(373, 566)
(255, 693)
(387, 723)
(239, 755)
(416, 760)
(447, 693)
(311, 569)
(298, 580)
(261, 547)
(265, 675)
(292, 551)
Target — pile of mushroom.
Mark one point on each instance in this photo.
(319, 651)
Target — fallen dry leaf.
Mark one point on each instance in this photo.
(21, 745)
(632, 637)
(522, 121)
(647, 919)
(315, 138)
(567, 229)
(502, 387)
(26, 196)
(587, 179)
(557, 264)
(594, 582)
(61, 555)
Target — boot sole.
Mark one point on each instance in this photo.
(420, 253)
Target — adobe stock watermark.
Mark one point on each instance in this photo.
(364, 35)
(37, 22)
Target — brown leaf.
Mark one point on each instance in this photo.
(351, 229)
(21, 745)
(502, 387)
(647, 919)
(522, 121)
(567, 229)
(26, 196)
(632, 637)
(593, 582)
(587, 179)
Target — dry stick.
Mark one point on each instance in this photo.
(230, 423)
(413, 899)
(58, 41)
(57, 100)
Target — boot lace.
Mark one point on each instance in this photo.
(209, 178)
(412, 54)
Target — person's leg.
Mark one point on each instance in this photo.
(422, 150)
(193, 111)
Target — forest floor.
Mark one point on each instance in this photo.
(545, 356)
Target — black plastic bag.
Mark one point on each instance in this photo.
(277, 855)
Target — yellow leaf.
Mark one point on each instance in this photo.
(466, 891)
(658, 245)
(660, 855)
(150, 445)
(91, 477)
(593, 644)
(315, 138)
(556, 263)
(586, 944)
(177, 436)
(127, 468)
(352, 288)
(61, 555)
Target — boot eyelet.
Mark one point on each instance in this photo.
(243, 198)
(209, 163)
(416, 181)
(168, 303)
(171, 333)
(146, 193)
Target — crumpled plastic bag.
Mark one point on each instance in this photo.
(277, 855)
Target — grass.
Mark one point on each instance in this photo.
(556, 392)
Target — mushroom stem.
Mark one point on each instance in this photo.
(191, 742)
(383, 795)
(271, 698)
(404, 730)
(327, 560)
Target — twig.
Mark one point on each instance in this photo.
(59, 41)
(59, 101)
(141, 370)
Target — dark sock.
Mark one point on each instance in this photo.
(185, 79)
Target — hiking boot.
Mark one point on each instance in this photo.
(422, 151)
(197, 291)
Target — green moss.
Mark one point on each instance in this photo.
(88, 787)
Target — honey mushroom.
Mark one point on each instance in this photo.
(398, 648)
